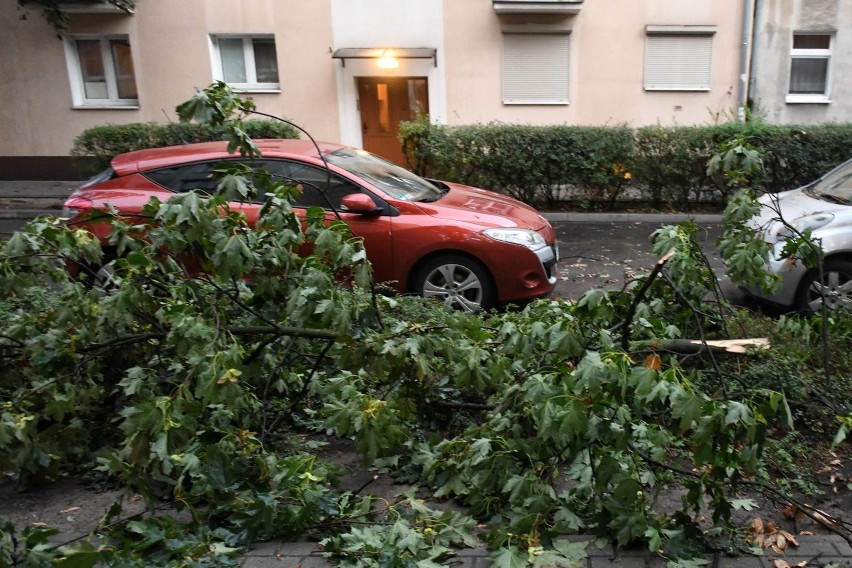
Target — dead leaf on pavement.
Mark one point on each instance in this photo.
(768, 535)
(779, 563)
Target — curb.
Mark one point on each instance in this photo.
(574, 217)
(827, 548)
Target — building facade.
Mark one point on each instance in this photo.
(801, 64)
(351, 70)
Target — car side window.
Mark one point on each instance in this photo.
(186, 177)
(313, 181)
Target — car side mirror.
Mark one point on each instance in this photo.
(359, 203)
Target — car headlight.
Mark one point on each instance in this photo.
(524, 237)
(806, 223)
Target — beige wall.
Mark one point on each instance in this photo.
(170, 46)
(777, 20)
(607, 59)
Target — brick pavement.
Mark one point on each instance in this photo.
(26, 199)
(815, 551)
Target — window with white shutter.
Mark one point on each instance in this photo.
(679, 58)
(536, 68)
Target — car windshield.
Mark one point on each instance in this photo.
(390, 178)
(836, 185)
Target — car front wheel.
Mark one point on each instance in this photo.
(830, 288)
(460, 282)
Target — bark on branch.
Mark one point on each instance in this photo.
(236, 330)
(694, 346)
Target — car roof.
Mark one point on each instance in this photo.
(155, 158)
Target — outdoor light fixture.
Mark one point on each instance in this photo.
(387, 61)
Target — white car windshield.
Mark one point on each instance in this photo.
(390, 178)
(836, 185)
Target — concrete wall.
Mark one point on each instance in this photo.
(171, 52)
(607, 63)
(776, 20)
(171, 49)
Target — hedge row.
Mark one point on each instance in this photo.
(95, 147)
(598, 166)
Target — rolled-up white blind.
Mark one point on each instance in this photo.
(678, 62)
(536, 68)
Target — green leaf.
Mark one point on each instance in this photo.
(574, 552)
(744, 504)
(508, 557)
(738, 412)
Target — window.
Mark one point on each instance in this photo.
(101, 71)
(678, 58)
(536, 67)
(246, 63)
(810, 68)
(198, 176)
(319, 189)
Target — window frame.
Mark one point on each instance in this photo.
(251, 85)
(507, 97)
(76, 79)
(687, 32)
(190, 174)
(827, 54)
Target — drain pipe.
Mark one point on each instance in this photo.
(757, 26)
(748, 32)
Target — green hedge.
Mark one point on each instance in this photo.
(95, 147)
(599, 166)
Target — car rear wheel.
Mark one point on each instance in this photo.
(458, 281)
(830, 288)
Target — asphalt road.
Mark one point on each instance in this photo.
(607, 255)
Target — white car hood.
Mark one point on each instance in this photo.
(794, 205)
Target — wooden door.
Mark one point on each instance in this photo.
(385, 102)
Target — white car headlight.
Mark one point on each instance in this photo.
(808, 222)
(524, 237)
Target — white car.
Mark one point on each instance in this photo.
(824, 207)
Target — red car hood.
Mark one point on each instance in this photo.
(484, 207)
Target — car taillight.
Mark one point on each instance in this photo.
(74, 206)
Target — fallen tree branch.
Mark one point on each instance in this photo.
(631, 310)
(693, 346)
(237, 330)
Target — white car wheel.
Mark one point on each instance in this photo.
(830, 288)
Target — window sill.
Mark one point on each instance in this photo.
(808, 100)
(105, 107)
(679, 89)
(538, 103)
(272, 89)
(259, 91)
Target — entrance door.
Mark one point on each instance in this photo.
(384, 102)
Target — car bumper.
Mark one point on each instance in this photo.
(791, 275)
(523, 275)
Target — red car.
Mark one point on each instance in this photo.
(469, 247)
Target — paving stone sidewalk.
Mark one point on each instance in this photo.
(27, 199)
(812, 552)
